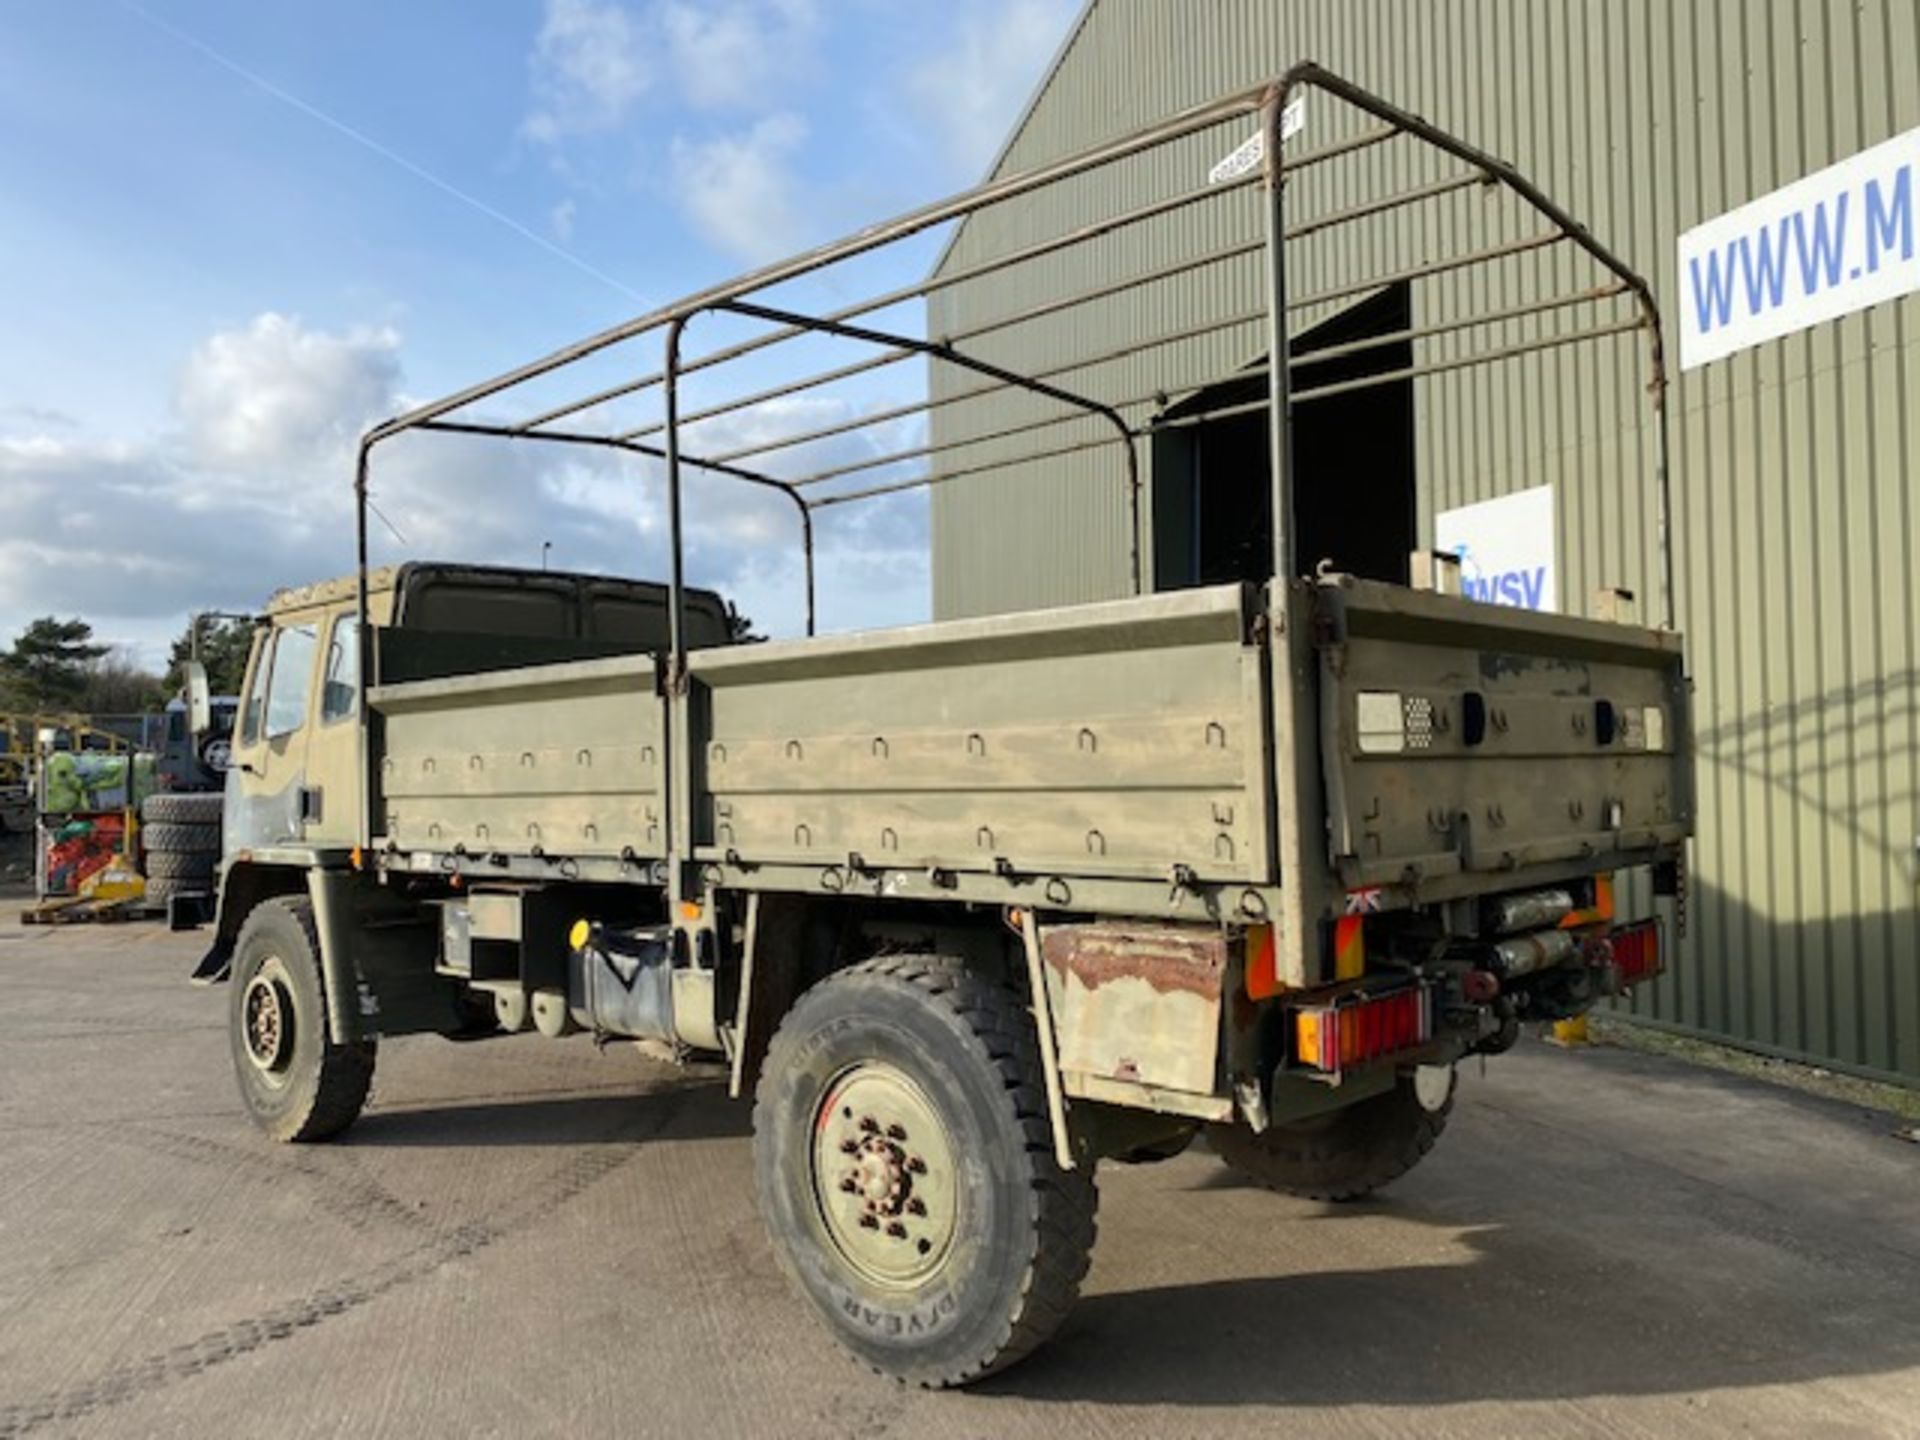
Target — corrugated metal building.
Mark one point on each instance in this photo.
(1796, 462)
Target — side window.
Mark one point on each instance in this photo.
(342, 684)
(254, 709)
(287, 686)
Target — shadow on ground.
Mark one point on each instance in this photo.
(690, 1110)
(1514, 1318)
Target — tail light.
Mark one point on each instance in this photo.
(1331, 1038)
(1636, 952)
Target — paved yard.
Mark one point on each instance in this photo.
(529, 1238)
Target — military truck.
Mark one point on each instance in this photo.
(969, 907)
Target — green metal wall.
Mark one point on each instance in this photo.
(1796, 464)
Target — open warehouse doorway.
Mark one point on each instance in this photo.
(1355, 503)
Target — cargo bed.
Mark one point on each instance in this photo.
(1464, 748)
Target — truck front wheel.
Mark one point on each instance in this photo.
(1345, 1154)
(296, 1083)
(906, 1170)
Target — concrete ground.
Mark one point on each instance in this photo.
(533, 1238)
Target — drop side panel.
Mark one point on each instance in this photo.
(564, 758)
(1121, 739)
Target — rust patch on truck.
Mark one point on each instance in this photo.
(1167, 958)
(1137, 1005)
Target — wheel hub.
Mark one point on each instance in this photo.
(883, 1175)
(267, 1019)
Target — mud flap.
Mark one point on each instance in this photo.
(332, 911)
(377, 955)
(215, 965)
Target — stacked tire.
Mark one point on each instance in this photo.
(181, 834)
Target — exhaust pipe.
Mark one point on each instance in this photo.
(1519, 955)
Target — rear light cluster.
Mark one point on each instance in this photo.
(1636, 952)
(1334, 1037)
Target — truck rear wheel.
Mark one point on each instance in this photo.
(906, 1171)
(1345, 1154)
(296, 1083)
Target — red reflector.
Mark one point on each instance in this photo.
(1333, 1037)
(1636, 952)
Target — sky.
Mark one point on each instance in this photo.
(238, 232)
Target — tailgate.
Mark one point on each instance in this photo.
(1460, 738)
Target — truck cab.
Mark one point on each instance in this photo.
(292, 777)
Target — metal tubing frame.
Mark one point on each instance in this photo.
(946, 279)
(1452, 185)
(994, 192)
(941, 351)
(1230, 252)
(1418, 272)
(1004, 322)
(1267, 102)
(1311, 75)
(655, 452)
(1310, 392)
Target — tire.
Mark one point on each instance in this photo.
(1344, 1155)
(296, 1084)
(216, 755)
(991, 1263)
(183, 809)
(181, 865)
(162, 888)
(173, 837)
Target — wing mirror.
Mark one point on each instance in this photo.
(199, 699)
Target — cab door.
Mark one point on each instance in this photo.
(333, 751)
(267, 802)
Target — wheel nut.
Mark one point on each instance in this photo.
(896, 1132)
(848, 1185)
(916, 1166)
(869, 1223)
(849, 1147)
(897, 1230)
(869, 1124)
(916, 1206)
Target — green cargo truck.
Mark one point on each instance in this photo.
(967, 907)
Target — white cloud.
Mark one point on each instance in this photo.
(250, 490)
(560, 219)
(276, 392)
(589, 66)
(740, 190)
(970, 90)
(734, 54)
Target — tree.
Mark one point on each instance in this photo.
(116, 684)
(224, 644)
(47, 667)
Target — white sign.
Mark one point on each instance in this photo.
(1253, 150)
(1506, 548)
(1838, 241)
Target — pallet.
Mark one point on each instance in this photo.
(79, 910)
